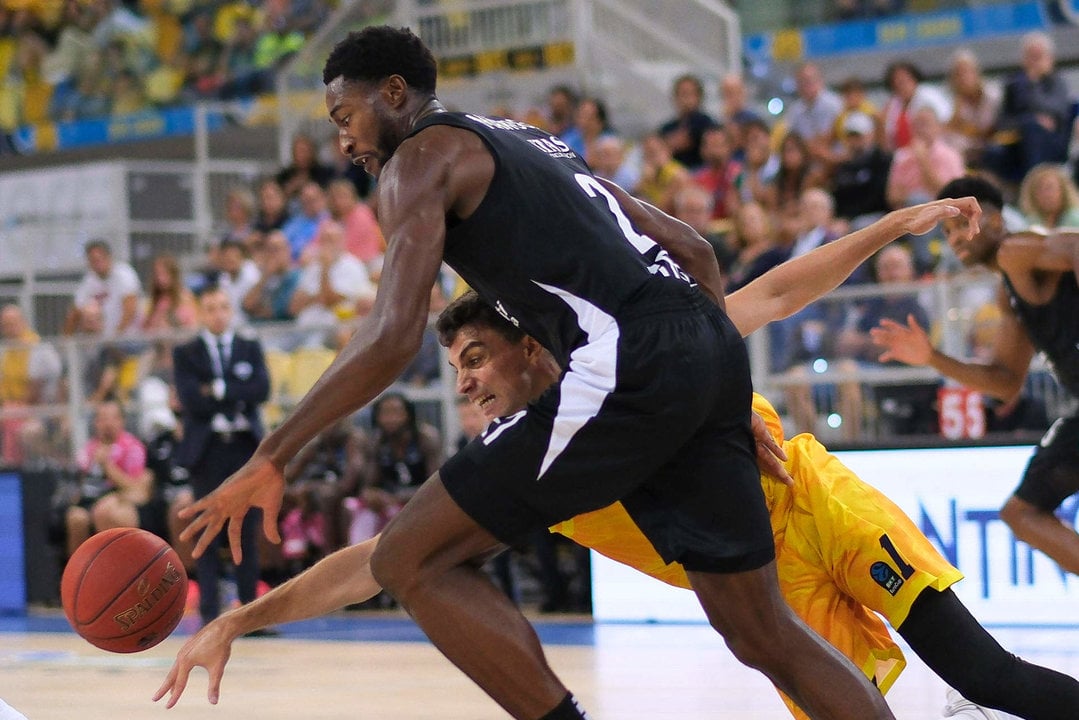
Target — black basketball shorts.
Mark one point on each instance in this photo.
(1053, 471)
(652, 411)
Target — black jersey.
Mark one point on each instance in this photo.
(549, 247)
(1054, 328)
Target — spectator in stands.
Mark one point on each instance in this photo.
(759, 166)
(719, 172)
(236, 275)
(363, 237)
(319, 477)
(273, 212)
(100, 361)
(113, 285)
(404, 453)
(74, 49)
(855, 100)
(171, 305)
(903, 409)
(975, 106)
(29, 375)
(754, 242)
(591, 124)
(561, 112)
(1049, 198)
(114, 488)
(301, 228)
(304, 168)
(335, 285)
(693, 206)
(126, 94)
(661, 175)
(860, 181)
(241, 75)
(735, 113)
(269, 299)
(240, 216)
(812, 116)
(797, 170)
(684, 131)
(923, 166)
(1035, 113)
(905, 81)
(607, 158)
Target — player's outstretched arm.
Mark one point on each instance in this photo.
(789, 287)
(1028, 251)
(337, 580)
(1001, 376)
(691, 251)
(416, 190)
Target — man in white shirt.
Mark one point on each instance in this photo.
(334, 286)
(113, 285)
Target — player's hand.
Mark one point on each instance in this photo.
(920, 219)
(906, 343)
(259, 483)
(209, 648)
(770, 454)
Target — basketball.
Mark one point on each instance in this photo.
(124, 590)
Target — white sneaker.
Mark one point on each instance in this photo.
(959, 707)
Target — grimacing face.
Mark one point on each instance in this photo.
(364, 122)
(493, 372)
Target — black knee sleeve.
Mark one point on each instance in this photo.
(944, 634)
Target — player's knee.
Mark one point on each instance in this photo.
(756, 639)
(395, 572)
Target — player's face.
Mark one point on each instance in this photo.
(494, 373)
(980, 249)
(363, 124)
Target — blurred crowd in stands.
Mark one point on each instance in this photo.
(299, 255)
(83, 59)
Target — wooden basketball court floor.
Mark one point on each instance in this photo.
(380, 666)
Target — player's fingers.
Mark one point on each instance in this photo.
(888, 324)
(886, 356)
(213, 690)
(178, 688)
(913, 323)
(269, 527)
(207, 537)
(169, 680)
(235, 542)
(191, 510)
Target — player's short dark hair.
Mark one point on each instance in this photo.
(470, 309)
(377, 52)
(914, 71)
(232, 244)
(210, 288)
(690, 78)
(976, 186)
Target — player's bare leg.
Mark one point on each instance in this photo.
(1043, 530)
(425, 560)
(764, 633)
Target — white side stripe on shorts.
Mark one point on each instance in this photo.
(590, 375)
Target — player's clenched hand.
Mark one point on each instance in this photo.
(209, 648)
(906, 343)
(770, 454)
(259, 483)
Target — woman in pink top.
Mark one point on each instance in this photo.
(114, 482)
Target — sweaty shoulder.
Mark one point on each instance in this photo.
(452, 156)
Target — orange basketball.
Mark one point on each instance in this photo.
(124, 590)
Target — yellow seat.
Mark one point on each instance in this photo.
(36, 101)
(128, 376)
(308, 364)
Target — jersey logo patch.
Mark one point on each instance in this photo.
(883, 575)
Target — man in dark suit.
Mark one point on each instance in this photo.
(221, 379)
